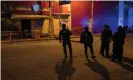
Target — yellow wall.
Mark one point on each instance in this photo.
(69, 22)
(56, 24)
(45, 26)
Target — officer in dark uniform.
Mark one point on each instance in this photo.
(87, 39)
(118, 39)
(64, 37)
(105, 40)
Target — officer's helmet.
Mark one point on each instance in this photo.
(119, 28)
(63, 26)
(86, 28)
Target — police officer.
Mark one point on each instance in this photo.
(64, 37)
(118, 41)
(105, 40)
(87, 39)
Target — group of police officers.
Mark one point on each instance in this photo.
(86, 38)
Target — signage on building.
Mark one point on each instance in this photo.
(27, 8)
(21, 8)
(36, 8)
(39, 23)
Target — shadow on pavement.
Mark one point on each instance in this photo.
(128, 60)
(65, 70)
(98, 68)
(125, 66)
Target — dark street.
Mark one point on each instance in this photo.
(43, 60)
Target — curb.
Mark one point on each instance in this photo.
(46, 39)
(17, 41)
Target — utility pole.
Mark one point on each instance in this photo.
(121, 13)
(59, 18)
(91, 17)
(51, 27)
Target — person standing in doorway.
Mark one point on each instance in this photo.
(87, 39)
(105, 40)
(64, 38)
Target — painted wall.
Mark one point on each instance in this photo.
(130, 18)
(80, 13)
(45, 26)
(105, 12)
(63, 9)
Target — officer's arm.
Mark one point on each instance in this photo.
(101, 36)
(81, 38)
(113, 37)
(91, 37)
(110, 33)
(70, 33)
(60, 36)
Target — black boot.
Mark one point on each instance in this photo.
(93, 56)
(86, 55)
(71, 56)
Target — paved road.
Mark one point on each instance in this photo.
(43, 60)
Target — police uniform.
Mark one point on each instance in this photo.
(105, 40)
(87, 39)
(64, 35)
(118, 39)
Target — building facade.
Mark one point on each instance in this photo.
(47, 16)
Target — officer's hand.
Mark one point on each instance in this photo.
(60, 41)
(109, 40)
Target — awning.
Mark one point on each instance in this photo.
(29, 17)
(62, 14)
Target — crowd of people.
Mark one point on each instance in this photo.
(86, 38)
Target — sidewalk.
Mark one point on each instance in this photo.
(73, 39)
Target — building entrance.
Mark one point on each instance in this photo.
(26, 28)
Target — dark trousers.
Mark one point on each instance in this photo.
(104, 46)
(117, 51)
(65, 48)
(91, 49)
